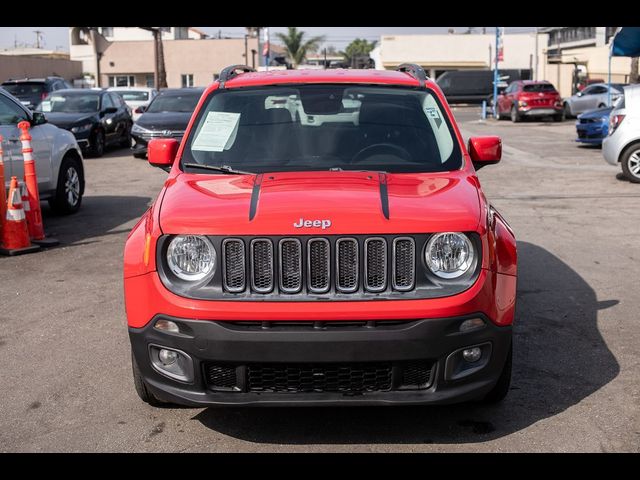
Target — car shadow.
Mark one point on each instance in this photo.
(99, 215)
(560, 358)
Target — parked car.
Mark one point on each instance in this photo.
(592, 97)
(137, 98)
(622, 145)
(31, 91)
(299, 254)
(530, 99)
(97, 118)
(593, 125)
(474, 86)
(58, 158)
(166, 116)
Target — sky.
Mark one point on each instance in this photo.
(56, 38)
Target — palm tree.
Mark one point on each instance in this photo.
(295, 45)
(357, 50)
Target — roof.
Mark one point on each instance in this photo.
(178, 91)
(370, 76)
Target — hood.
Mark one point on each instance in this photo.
(68, 120)
(165, 120)
(353, 203)
(598, 113)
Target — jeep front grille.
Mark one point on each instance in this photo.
(319, 265)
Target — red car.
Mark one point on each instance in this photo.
(530, 99)
(321, 239)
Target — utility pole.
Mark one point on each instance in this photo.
(38, 37)
(535, 67)
(246, 49)
(159, 74)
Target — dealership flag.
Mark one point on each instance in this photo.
(500, 44)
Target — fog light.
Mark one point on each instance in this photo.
(470, 355)
(471, 324)
(169, 357)
(167, 326)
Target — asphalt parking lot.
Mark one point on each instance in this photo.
(66, 381)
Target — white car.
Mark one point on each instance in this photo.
(58, 158)
(622, 145)
(136, 98)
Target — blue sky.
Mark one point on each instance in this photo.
(56, 38)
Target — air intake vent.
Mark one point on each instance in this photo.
(261, 265)
(318, 253)
(234, 270)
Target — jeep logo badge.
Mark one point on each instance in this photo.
(312, 223)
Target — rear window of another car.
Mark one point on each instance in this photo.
(24, 88)
(175, 103)
(539, 87)
(139, 96)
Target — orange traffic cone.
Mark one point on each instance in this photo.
(15, 233)
(3, 192)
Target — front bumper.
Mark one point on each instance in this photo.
(593, 133)
(435, 342)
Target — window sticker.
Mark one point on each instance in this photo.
(435, 114)
(218, 132)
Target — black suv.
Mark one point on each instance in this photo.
(31, 91)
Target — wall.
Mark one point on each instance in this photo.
(202, 58)
(13, 66)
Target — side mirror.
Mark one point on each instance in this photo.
(140, 109)
(38, 119)
(579, 94)
(485, 151)
(161, 152)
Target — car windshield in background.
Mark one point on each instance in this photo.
(128, 95)
(174, 103)
(70, 103)
(21, 89)
(539, 87)
(323, 127)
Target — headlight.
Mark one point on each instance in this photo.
(138, 129)
(82, 128)
(191, 257)
(449, 255)
(522, 103)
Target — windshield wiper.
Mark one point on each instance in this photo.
(218, 168)
(340, 169)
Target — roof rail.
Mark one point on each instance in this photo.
(229, 72)
(416, 71)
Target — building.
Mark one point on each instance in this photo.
(37, 63)
(442, 52)
(573, 54)
(124, 56)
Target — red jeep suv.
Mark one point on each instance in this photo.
(321, 239)
(527, 99)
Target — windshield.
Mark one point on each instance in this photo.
(539, 87)
(24, 89)
(323, 127)
(134, 96)
(184, 102)
(70, 103)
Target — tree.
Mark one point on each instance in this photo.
(633, 77)
(296, 46)
(358, 48)
(160, 69)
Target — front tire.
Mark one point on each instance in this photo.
(141, 387)
(567, 111)
(515, 116)
(68, 196)
(630, 162)
(97, 144)
(501, 388)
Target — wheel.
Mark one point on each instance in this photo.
(125, 141)
(567, 110)
(630, 162)
(559, 117)
(97, 144)
(501, 388)
(515, 116)
(68, 196)
(141, 387)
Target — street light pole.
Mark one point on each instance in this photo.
(495, 74)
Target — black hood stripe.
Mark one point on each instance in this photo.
(384, 196)
(255, 195)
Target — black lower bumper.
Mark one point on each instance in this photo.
(437, 343)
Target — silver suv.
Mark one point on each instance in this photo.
(58, 158)
(592, 97)
(622, 145)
